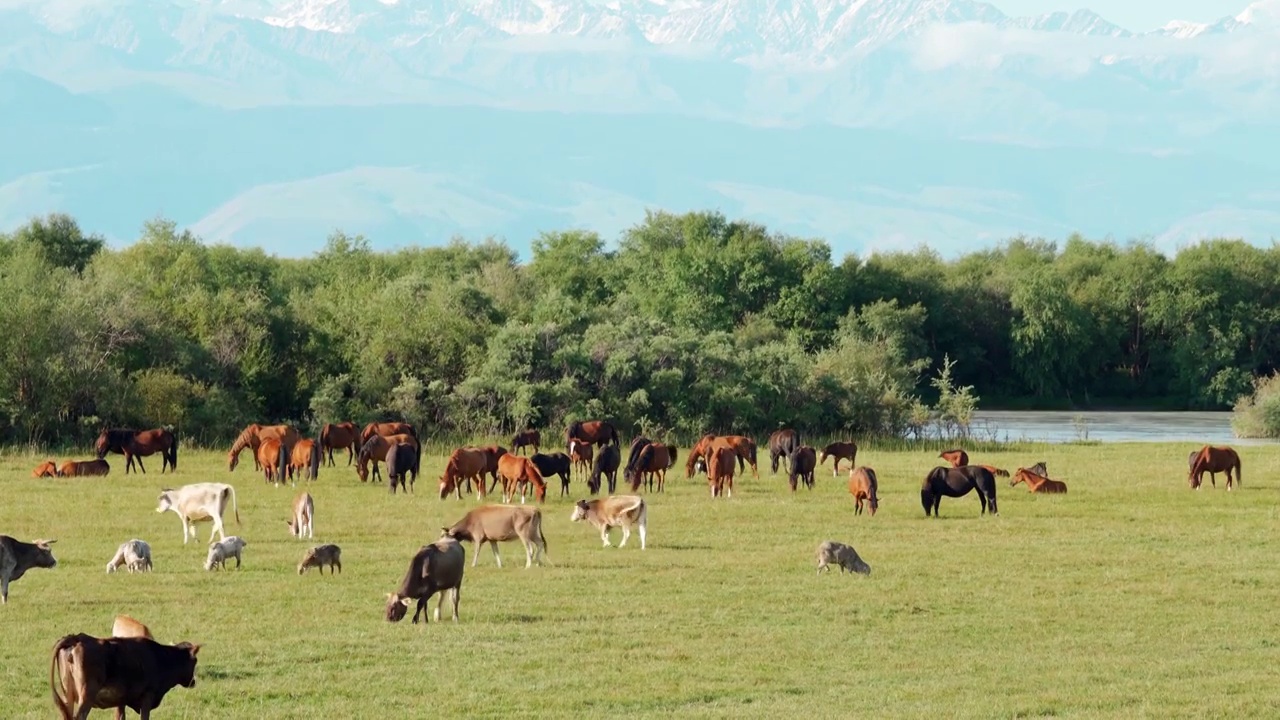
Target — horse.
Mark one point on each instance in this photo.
(839, 451)
(273, 458)
(653, 460)
(463, 464)
(375, 450)
(863, 486)
(387, 429)
(637, 445)
(1213, 460)
(582, 454)
(743, 447)
(1037, 481)
(599, 432)
(782, 443)
(517, 474)
(720, 464)
(339, 436)
(48, 468)
(402, 460)
(136, 445)
(606, 463)
(304, 460)
(960, 458)
(84, 468)
(493, 454)
(526, 438)
(957, 482)
(253, 435)
(803, 462)
(554, 464)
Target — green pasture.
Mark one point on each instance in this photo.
(1132, 596)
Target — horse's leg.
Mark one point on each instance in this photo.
(138, 459)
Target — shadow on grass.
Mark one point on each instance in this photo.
(217, 673)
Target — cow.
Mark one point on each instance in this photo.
(435, 568)
(220, 552)
(135, 555)
(554, 464)
(614, 511)
(48, 468)
(830, 551)
(84, 468)
(304, 513)
(17, 557)
(102, 673)
(199, 502)
(500, 523)
(125, 626)
(321, 555)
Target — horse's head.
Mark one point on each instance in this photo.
(446, 487)
(233, 459)
(102, 445)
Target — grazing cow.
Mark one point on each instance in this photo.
(199, 502)
(434, 568)
(84, 468)
(606, 463)
(304, 513)
(803, 462)
(463, 464)
(221, 552)
(582, 455)
(842, 555)
(125, 626)
(500, 523)
(838, 451)
(524, 439)
(17, 557)
(614, 511)
(45, 469)
(321, 555)
(554, 464)
(402, 461)
(135, 555)
(863, 486)
(102, 673)
(720, 470)
(957, 482)
(518, 473)
(304, 461)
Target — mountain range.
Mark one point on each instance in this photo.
(873, 123)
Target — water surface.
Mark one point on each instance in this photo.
(1108, 426)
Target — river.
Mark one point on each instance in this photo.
(1108, 426)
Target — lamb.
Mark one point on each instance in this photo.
(322, 555)
(134, 555)
(223, 550)
(846, 557)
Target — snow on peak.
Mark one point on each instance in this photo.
(1264, 13)
(1183, 29)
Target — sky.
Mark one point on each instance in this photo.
(1134, 15)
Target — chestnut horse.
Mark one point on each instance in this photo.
(839, 451)
(340, 436)
(84, 468)
(387, 429)
(1213, 460)
(720, 471)
(803, 462)
(959, 458)
(493, 453)
(45, 469)
(782, 443)
(863, 486)
(1037, 481)
(957, 482)
(375, 450)
(599, 432)
(304, 460)
(463, 464)
(582, 455)
(137, 445)
(653, 460)
(518, 473)
(743, 447)
(524, 439)
(253, 435)
(273, 458)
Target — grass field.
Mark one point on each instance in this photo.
(1132, 596)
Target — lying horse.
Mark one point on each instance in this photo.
(554, 464)
(599, 432)
(839, 451)
(463, 464)
(782, 443)
(959, 458)
(1036, 481)
(1213, 460)
(84, 468)
(524, 439)
(339, 436)
(863, 486)
(45, 469)
(803, 462)
(957, 482)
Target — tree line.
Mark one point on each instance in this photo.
(694, 322)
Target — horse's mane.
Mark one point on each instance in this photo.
(572, 431)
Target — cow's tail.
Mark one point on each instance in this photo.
(232, 492)
(64, 709)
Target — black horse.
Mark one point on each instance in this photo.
(803, 462)
(401, 460)
(957, 482)
(554, 464)
(606, 463)
(633, 455)
(782, 443)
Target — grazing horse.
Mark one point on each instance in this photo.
(273, 458)
(253, 435)
(1213, 460)
(463, 464)
(340, 436)
(839, 451)
(554, 464)
(637, 445)
(743, 447)
(493, 454)
(957, 482)
(387, 429)
(599, 432)
(582, 454)
(524, 439)
(518, 473)
(782, 443)
(137, 445)
(1037, 481)
(960, 458)
(653, 460)
(375, 450)
(803, 462)
(402, 460)
(304, 460)
(720, 463)
(606, 463)
(863, 486)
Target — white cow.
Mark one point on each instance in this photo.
(135, 555)
(304, 512)
(614, 511)
(199, 502)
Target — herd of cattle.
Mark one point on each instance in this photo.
(131, 670)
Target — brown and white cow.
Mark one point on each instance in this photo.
(17, 557)
(500, 523)
(199, 502)
(304, 512)
(434, 568)
(84, 468)
(102, 673)
(614, 511)
(125, 626)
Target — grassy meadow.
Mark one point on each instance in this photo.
(1132, 596)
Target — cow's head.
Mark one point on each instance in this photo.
(397, 607)
(165, 502)
(579, 511)
(186, 670)
(43, 557)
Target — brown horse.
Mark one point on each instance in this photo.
(744, 448)
(84, 468)
(387, 429)
(782, 443)
(375, 450)
(582, 455)
(253, 435)
(463, 464)
(493, 453)
(839, 451)
(45, 469)
(137, 445)
(273, 458)
(957, 482)
(863, 486)
(803, 462)
(960, 458)
(518, 473)
(720, 465)
(653, 460)
(599, 432)
(340, 436)
(304, 460)
(1215, 460)
(1037, 482)
(524, 439)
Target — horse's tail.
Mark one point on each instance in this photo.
(1239, 472)
(283, 464)
(325, 435)
(671, 456)
(173, 450)
(314, 461)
